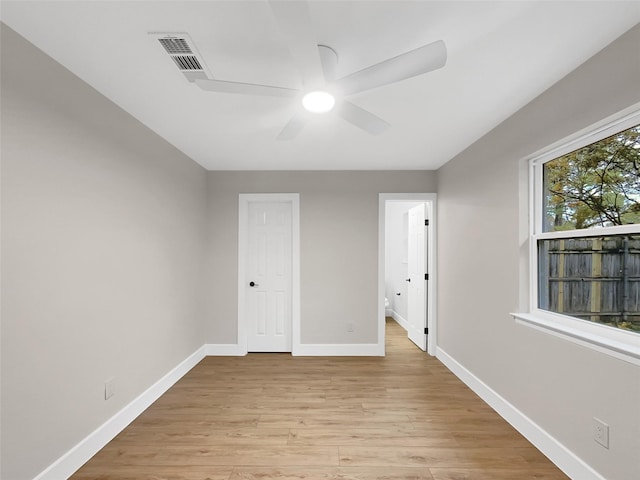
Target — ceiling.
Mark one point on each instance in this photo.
(501, 55)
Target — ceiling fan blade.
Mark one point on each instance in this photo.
(329, 62)
(362, 118)
(406, 65)
(245, 88)
(292, 129)
(294, 21)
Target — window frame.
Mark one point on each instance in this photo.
(619, 343)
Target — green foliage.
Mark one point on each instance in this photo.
(595, 186)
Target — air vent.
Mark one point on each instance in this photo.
(187, 62)
(175, 46)
(184, 54)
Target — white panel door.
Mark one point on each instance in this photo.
(417, 288)
(268, 277)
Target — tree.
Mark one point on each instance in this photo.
(597, 185)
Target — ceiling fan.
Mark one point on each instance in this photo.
(321, 91)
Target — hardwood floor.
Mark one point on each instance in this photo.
(263, 416)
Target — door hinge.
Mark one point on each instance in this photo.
(426, 331)
(426, 276)
(426, 222)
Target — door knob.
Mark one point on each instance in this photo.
(407, 279)
(253, 284)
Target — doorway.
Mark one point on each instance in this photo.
(268, 272)
(407, 253)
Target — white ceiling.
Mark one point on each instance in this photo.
(501, 55)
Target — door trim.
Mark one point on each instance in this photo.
(430, 199)
(243, 233)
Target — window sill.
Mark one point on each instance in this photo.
(620, 344)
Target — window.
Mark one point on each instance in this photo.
(585, 239)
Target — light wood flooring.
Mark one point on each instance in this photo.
(263, 416)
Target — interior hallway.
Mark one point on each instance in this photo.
(403, 416)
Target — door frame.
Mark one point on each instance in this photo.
(244, 199)
(430, 199)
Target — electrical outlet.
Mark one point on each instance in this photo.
(601, 432)
(109, 388)
(349, 327)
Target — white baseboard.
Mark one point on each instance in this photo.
(305, 350)
(224, 350)
(339, 350)
(401, 321)
(560, 455)
(71, 461)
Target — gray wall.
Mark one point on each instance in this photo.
(338, 248)
(558, 384)
(103, 233)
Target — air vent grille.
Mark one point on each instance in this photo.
(183, 52)
(187, 62)
(175, 46)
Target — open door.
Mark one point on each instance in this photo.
(417, 276)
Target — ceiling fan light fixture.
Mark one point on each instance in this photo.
(318, 101)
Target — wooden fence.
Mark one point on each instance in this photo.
(594, 278)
